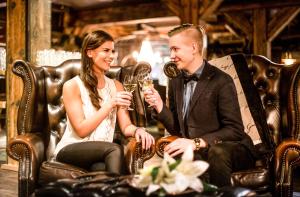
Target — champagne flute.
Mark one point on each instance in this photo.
(129, 85)
(147, 83)
(140, 78)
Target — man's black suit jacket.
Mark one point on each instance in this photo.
(214, 113)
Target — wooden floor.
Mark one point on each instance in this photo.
(8, 183)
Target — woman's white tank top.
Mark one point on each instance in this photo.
(105, 130)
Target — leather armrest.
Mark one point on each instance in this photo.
(162, 142)
(257, 178)
(29, 111)
(287, 157)
(28, 149)
(136, 156)
(51, 171)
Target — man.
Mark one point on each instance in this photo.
(203, 109)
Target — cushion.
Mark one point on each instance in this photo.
(254, 120)
(250, 104)
(51, 171)
(257, 179)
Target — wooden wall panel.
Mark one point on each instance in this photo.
(26, 34)
(260, 45)
(16, 49)
(39, 27)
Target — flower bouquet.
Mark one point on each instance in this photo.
(173, 176)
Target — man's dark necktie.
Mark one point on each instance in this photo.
(189, 89)
(188, 78)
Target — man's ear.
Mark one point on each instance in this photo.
(195, 48)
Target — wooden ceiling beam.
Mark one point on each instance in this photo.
(232, 30)
(258, 5)
(215, 28)
(173, 6)
(211, 9)
(157, 21)
(195, 12)
(131, 26)
(280, 21)
(186, 11)
(115, 14)
(241, 21)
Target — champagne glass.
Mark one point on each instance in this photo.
(129, 85)
(146, 83)
(140, 78)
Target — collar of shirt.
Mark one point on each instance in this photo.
(195, 76)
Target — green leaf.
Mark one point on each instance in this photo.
(162, 192)
(174, 165)
(209, 187)
(154, 173)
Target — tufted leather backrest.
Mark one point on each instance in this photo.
(266, 77)
(54, 78)
(277, 87)
(41, 109)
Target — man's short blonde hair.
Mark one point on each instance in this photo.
(197, 33)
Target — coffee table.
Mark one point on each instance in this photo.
(106, 184)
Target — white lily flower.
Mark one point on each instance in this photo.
(179, 184)
(189, 167)
(152, 188)
(168, 158)
(196, 184)
(194, 169)
(188, 154)
(177, 179)
(145, 178)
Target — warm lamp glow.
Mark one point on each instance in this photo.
(155, 52)
(146, 53)
(288, 59)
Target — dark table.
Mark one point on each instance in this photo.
(104, 184)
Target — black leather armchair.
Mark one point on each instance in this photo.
(41, 123)
(276, 111)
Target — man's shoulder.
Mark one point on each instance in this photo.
(217, 72)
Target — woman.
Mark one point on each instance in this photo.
(92, 102)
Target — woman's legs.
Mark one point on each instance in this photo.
(85, 154)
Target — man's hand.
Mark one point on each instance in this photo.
(178, 146)
(153, 98)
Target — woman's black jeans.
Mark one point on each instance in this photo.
(87, 154)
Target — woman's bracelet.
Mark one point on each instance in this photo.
(131, 129)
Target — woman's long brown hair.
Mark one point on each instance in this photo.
(92, 41)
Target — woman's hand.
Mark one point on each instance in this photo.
(122, 99)
(141, 135)
(153, 98)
